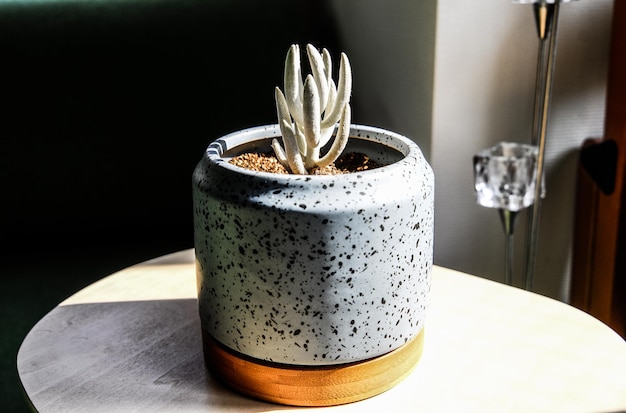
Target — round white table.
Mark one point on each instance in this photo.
(131, 342)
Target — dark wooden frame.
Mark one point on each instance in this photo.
(599, 261)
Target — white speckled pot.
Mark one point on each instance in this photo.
(314, 270)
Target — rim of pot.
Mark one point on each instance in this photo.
(408, 150)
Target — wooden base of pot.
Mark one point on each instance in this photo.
(311, 385)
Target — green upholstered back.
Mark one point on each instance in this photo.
(108, 105)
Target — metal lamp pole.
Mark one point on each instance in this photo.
(546, 18)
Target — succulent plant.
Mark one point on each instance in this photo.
(309, 111)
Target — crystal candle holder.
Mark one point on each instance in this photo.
(505, 176)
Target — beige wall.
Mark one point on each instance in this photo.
(391, 46)
(458, 76)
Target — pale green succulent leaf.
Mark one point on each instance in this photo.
(332, 98)
(292, 153)
(328, 66)
(344, 89)
(282, 110)
(341, 139)
(293, 83)
(279, 152)
(326, 135)
(311, 111)
(318, 69)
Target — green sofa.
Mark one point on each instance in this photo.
(107, 108)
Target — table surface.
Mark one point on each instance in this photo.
(131, 343)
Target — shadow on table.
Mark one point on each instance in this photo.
(140, 355)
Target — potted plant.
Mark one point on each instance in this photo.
(313, 287)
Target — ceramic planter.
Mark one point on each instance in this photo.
(301, 271)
